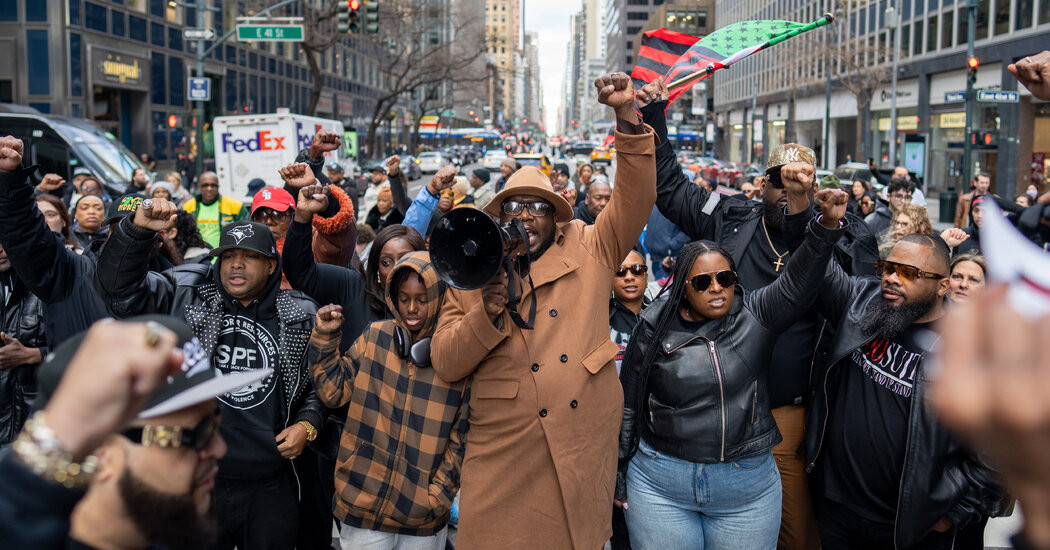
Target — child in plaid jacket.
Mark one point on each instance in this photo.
(403, 444)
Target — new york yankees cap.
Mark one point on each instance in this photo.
(246, 235)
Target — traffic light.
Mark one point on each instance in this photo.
(348, 19)
(972, 63)
(984, 139)
(371, 16)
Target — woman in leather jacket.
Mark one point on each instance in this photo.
(696, 465)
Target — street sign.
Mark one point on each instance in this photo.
(998, 97)
(198, 34)
(448, 113)
(270, 33)
(200, 89)
(954, 97)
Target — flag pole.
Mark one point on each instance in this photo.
(774, 40)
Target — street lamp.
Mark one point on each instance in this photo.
(893, 21)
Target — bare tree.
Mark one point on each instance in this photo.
(321, 33)
(427, 43)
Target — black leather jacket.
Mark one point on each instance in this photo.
(23, 319)
(941, 478)
(704, 398)
(128, 289)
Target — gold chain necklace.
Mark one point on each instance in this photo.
(777, 264)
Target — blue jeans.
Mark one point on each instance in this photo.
(674, 504)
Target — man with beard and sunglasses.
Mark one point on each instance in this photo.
(886, 473)
(546, 403)
(761, 237)
(91, 470)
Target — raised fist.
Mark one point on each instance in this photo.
(832, 204)
(393, 165)
(51, 182)
(798, 177)
(10, 153)
(160, 216)
(953, 237)
(298, 175)
(651, 92)
(329, 318)
(442, 180)
(312, 199)
(615, 90)
(324, 141)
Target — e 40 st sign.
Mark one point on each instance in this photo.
(270, 33)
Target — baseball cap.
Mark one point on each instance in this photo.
(482, 174)
(246, 235)
(335, 167)
(273, 197)
(195, 381)
(377, 168)
(123, 207)
(255, 185)
(82, 171)
(830, 181)
(788, 153)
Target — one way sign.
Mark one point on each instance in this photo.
(200, 89)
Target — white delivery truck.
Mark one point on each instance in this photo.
(256, 146)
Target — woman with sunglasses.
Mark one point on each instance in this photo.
(696, 466)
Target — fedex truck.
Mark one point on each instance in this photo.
(256, 146)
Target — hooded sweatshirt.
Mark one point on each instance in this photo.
(403, 443)
(252, 416)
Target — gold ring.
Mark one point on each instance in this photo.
(1028, 59)
(154, 331)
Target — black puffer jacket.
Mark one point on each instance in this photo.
(704, 398)
(23, 319)
(941, 478)
(128, 289)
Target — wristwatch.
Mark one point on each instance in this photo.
(37, 448)
(311, 431)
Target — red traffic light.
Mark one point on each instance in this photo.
(173, 121)
(354, 4)
(973, 62)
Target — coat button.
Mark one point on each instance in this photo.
(535, 367)
(543, 413)
(573, 404)
(564, 358)
(553, 312)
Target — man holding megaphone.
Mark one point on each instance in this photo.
(545, 415)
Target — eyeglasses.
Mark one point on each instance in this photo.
(637, 269)
(904, 271)
(264, 215)
(175, 437)
(702, 281)
(537, 208)
(774, 179)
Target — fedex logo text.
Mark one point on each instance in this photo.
(262, 141)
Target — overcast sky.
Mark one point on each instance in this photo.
(550, 18)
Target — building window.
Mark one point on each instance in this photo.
(176, 81)
(156, 31)
(917, 45)
(175, 39)
(231, 90)
(1044, 11)
(74, 12)
(117, 21)
(905, 40)
(156, 8)
(95, 17)
(1023, 17)
(983, 11)
(36, 10)
(931, 33)
(947, 32)
(157, 86)
(253, 61)
(136, 28)
(42, 107)
(962, 30)
(76, 66)
(38, 68)
(160, 135)
(8, 10)
(1002, 17)
(76, 110)
(7, 91)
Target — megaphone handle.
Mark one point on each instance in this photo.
(513, 298)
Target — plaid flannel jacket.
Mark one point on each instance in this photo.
(402, 447)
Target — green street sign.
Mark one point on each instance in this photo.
(448, 113)
(270, 33)
(350, 142)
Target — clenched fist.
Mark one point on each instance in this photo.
(652, 92)
(832, 204)
(10, 153)
(298, 175)
(51, 182)
(616, 90)
(329, 318)
(324, 141)
(442, 180)
(494, 295)
(160, 216)
(953, 237)
(393, 166)
(312, 199)
(798, 177)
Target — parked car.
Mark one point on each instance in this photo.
(493, 158)
(534, 159)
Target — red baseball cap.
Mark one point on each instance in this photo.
(273, 197)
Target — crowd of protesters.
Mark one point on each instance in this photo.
(295, 364)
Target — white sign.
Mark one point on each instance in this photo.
(198, 34)
(954, 97)
(200, 89)
(998, 97)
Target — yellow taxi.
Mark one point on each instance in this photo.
(534, 159)
(602, 154)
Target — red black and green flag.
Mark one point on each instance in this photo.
(659, 51)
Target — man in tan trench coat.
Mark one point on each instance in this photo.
(546, 403)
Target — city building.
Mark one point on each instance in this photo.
(587, 49)
(503, 36)
(124, 65)
(623, 20)
(780, 95)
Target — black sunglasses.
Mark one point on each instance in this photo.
(197, 438)
(637, 269)
(702, 281)
(537, 208)
(269, 214)
(904, 271)
(773, 175)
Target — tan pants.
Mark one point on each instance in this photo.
(798, 523)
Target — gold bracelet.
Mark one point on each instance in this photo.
(37, 448)
(311, 431)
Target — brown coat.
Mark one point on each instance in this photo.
(962, 210)
(540, 464)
